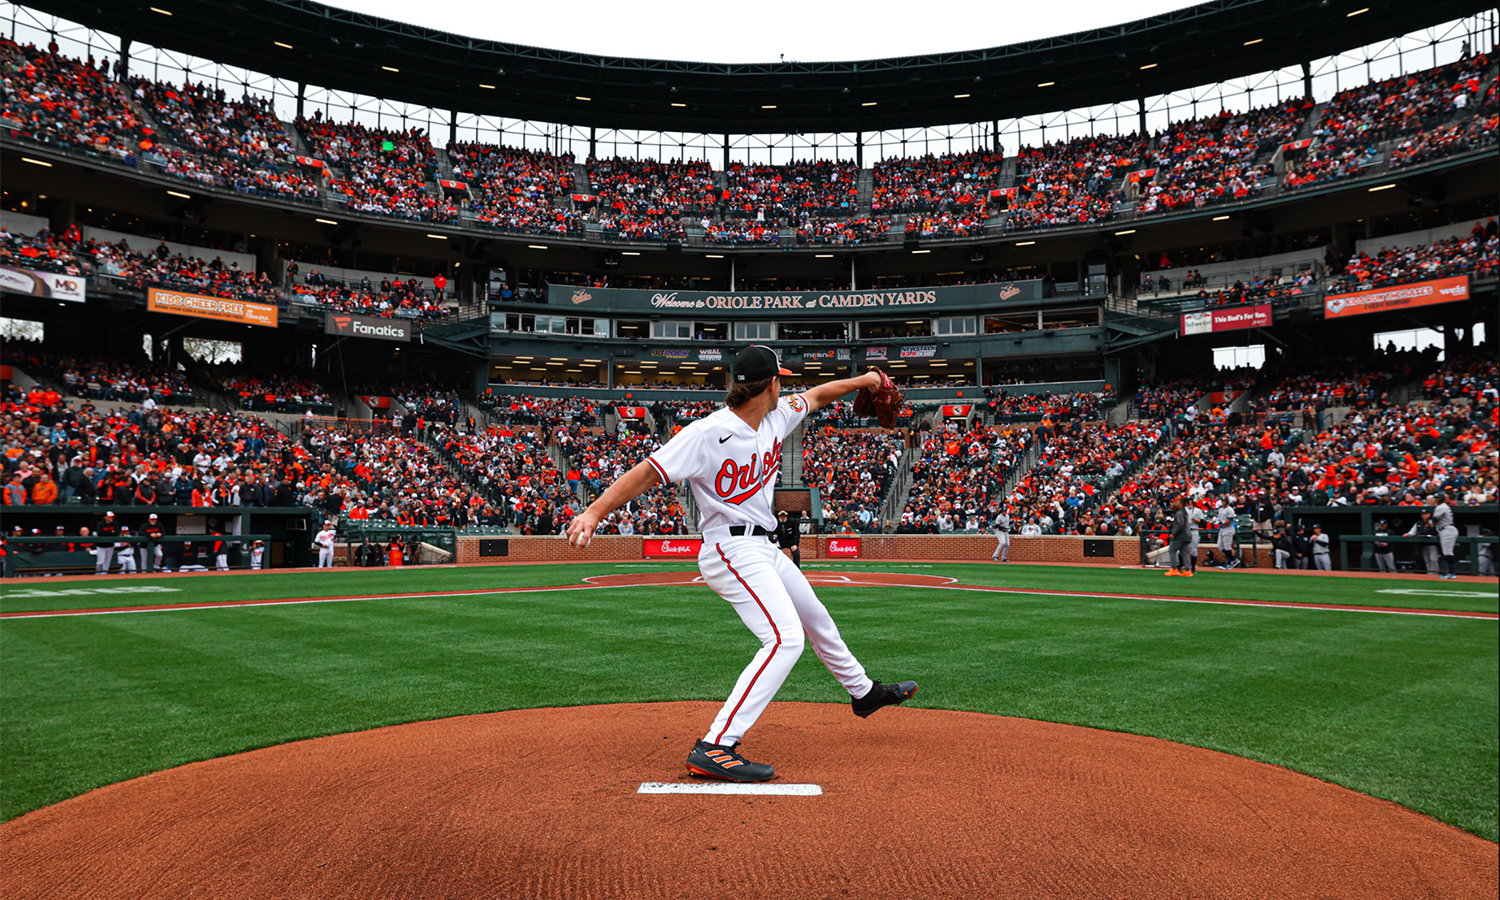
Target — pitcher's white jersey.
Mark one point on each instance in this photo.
(732, 469)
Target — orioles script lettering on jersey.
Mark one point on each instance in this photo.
(737, 483)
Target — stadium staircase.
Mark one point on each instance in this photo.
(894, 502)
(1008, 172)
(865, 191)
(1028, 459)
(581, 179)
(791, 460)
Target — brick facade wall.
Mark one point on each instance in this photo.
(800, 501)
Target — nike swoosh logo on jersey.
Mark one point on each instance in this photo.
(725, 438)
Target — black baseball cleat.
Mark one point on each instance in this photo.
(726, 764)
(883, 695)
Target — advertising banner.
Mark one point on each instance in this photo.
(843, 547)
(350, 325)
(1407, 296)
(662, 353)
(310, 162)
(454, 185)
(957, 412)
(874, 353)
(42, 284)
(919, 351)
(181, 303)
(375, 402)
(679, 547)
(805, 304)
(1214, 320)
(630, 412)
(1294, 146)
(714, 355)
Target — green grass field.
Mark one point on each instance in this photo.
(1401, 707)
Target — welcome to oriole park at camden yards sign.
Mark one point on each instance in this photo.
(181, 303)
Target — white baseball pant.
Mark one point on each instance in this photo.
(325, 557)
(127, 562)
(1002, 547)
(104, 557)
(777, 604)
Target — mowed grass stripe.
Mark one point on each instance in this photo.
(1210, 584)
(1403, 708)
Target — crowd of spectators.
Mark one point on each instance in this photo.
(595, 460)
(1078, 462)
(516, 190)
(513, 470)
(234, 144)
(69, 253)
(801, 188)
(269, 392)
(853, 471)
(742, 231)
(387, 477)
(959, 477)
(964, 223)
(951, 182)
(1006, 406)
(1415, 106)
(1072, 182)
(391, 298)
(643, 199)
(55, 99)
(1214, 159)
(386, 172)
(1478, 255)
(850, 232)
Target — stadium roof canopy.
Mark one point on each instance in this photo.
(303, 41)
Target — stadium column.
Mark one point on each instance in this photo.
(124, 61)
(593, 139)
(1141, 107)
(859, 163)
(1307, 81)
(726, 159)
(301, 96)
(452, 127)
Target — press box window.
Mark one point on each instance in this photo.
(956, 325)
(754, 331)
(672, 330)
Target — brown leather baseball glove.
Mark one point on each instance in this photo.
(884, 402)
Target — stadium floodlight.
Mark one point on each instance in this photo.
(768, 106)
(1024, 243)
(1046, 84)
(157, 9)
(921, 251)
(36, 162)
(1125, 232)
(1253, 43)
(630, 253)
(179, 194)
(1149, 66)
(961, 96)
(282, 45)
(1357, 12)
(391, 69)
(438, 237)
(584, 99)
(868, 103)
(325, 221)
(1220, 218)
(680, 105)
(488, 87)
(536, 246)
(1382, 187)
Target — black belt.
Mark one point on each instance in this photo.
(755, 530)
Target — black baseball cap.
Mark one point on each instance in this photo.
(756, 364)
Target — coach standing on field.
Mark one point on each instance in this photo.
(1447, 533)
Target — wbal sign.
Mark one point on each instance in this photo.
(349, 325)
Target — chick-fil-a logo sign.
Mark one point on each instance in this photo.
(844, 547)
(671, 547)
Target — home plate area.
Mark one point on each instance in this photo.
(815, 578)
(547, 803)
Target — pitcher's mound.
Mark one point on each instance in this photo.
(915, 804)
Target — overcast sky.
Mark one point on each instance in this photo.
(764, 30)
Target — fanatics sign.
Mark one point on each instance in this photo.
(180, 303)
(844, 547)
(350, 325)
(653, 547)
(1407, 296)
(1215, 320)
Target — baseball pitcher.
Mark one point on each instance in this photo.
(732, 458)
